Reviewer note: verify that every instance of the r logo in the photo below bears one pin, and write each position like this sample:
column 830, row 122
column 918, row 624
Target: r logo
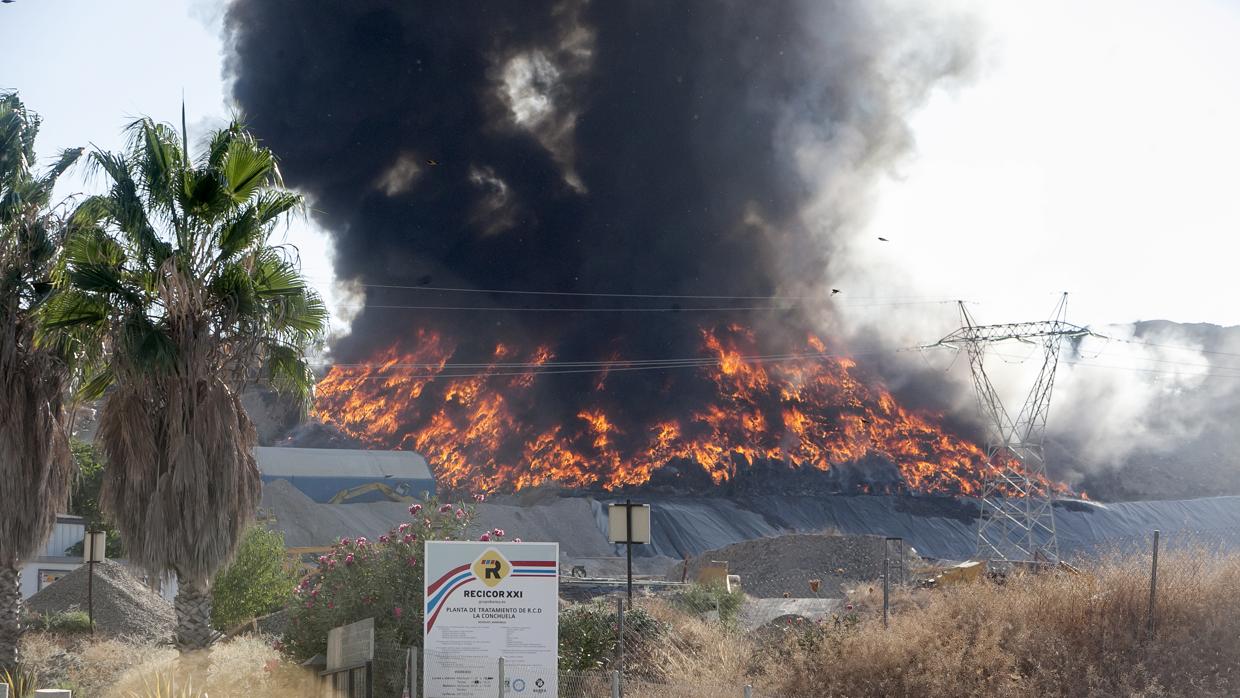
column 491, row 568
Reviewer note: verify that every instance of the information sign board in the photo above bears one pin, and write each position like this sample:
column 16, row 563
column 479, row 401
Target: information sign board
column 484, row 601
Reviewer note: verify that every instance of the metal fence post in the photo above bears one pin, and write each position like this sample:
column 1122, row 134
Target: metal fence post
column 615, row 684
column 501, row 677
column 1149, row 628
column 748, row 691
column 411, row 673
column 886, row 581
column 620, row 641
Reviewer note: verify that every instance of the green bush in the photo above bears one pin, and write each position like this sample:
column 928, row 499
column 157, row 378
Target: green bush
column 700, row 598
column 588, row 637
column 65, row 622
column 258, row 581
column 361, row 579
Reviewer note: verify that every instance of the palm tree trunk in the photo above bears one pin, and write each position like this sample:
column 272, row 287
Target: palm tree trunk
column 193, row 609
column 10, row 613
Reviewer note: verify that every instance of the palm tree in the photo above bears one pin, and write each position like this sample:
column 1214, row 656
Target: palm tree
column 36, row 465
column 174, row 272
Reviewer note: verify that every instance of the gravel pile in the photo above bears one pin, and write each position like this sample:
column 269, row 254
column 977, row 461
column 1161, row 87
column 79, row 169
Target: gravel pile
column 123, row 604
column 771, row 567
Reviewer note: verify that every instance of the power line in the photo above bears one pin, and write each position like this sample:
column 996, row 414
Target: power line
column 553, row 309
column 515, row 309
column 1172, row 346
column 590, row 294
column 587, row 367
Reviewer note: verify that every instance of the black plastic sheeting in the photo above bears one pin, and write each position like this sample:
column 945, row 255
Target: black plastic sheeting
column 936, row 527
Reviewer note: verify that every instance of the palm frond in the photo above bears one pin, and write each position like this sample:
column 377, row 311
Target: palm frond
column 276, row 276
column 94, row 384
column 72, row 307
column 246, row 167
column 289, row 372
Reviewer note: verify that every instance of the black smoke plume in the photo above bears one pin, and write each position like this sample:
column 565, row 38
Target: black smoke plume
column 682, row 148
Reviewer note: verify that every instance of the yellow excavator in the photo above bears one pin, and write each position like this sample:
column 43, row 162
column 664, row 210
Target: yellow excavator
column 400, row 493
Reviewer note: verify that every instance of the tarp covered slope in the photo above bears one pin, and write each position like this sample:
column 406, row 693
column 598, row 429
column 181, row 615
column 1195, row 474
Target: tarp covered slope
column 936, row 527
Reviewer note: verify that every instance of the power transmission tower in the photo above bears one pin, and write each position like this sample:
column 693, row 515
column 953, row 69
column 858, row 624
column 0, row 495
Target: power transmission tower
column 1017, row 521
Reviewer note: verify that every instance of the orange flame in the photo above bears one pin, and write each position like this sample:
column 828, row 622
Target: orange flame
column 481, row 430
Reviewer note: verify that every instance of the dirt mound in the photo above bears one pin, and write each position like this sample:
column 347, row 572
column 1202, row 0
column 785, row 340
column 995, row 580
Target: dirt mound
column 772, row 567
column 123, row 604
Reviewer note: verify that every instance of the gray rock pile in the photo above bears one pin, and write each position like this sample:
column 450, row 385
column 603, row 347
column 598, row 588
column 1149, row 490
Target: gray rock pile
column 124, row 606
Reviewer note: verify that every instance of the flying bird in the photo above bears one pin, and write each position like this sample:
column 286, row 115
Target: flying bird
column 432, row 163
column 834, row 291
column 881, row 239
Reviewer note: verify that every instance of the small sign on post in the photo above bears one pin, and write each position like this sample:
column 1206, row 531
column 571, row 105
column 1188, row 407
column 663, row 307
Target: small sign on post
column 629, row 524
column 351, row 645
column 94, row 551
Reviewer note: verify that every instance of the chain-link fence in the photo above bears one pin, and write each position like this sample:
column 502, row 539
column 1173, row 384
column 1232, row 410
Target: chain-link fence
column 610, row 684
column 1130, row 587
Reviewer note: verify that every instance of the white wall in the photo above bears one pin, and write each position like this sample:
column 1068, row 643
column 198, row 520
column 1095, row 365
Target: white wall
column 31, row 570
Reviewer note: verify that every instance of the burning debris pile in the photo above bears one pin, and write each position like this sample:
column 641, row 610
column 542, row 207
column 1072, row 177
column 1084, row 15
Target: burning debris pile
column 514, row 190
column 818, row 415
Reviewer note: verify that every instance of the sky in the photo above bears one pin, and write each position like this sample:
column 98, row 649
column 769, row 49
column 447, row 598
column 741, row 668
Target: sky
column 1094, row 151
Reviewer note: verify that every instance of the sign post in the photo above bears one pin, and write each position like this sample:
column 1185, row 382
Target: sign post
column 490, row 605
column 629, row 523
column 94, row 551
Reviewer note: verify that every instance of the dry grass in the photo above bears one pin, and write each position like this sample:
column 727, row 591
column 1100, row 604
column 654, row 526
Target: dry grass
column 116, row 668
column 1050, row 634
column 1053, row 634
column 700, row 652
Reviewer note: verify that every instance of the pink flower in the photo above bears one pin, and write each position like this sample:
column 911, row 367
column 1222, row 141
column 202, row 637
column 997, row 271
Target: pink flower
column 409, row 538
column 498, row 532
column 403, row 527
column 484, row 537
column 460, row 514
column 397, row 611
column 322, row 559
column 445, row 508
column 414, row 509
column 848, row 607
column 331, row 564
column 384, row 539
column 413, row 562
column 314, row 593
column 344, row 541
column 348, row 559
column 480, row 497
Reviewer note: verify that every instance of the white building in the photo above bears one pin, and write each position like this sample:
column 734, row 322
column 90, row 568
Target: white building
column 52, row 563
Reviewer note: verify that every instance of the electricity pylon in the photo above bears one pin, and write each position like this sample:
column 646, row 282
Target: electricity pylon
column 1017, row 521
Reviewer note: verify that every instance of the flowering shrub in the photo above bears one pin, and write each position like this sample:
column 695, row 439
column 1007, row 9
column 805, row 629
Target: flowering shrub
column 382, row 578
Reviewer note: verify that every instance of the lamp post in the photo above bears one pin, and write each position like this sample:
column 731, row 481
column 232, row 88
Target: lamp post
column 94, row 550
